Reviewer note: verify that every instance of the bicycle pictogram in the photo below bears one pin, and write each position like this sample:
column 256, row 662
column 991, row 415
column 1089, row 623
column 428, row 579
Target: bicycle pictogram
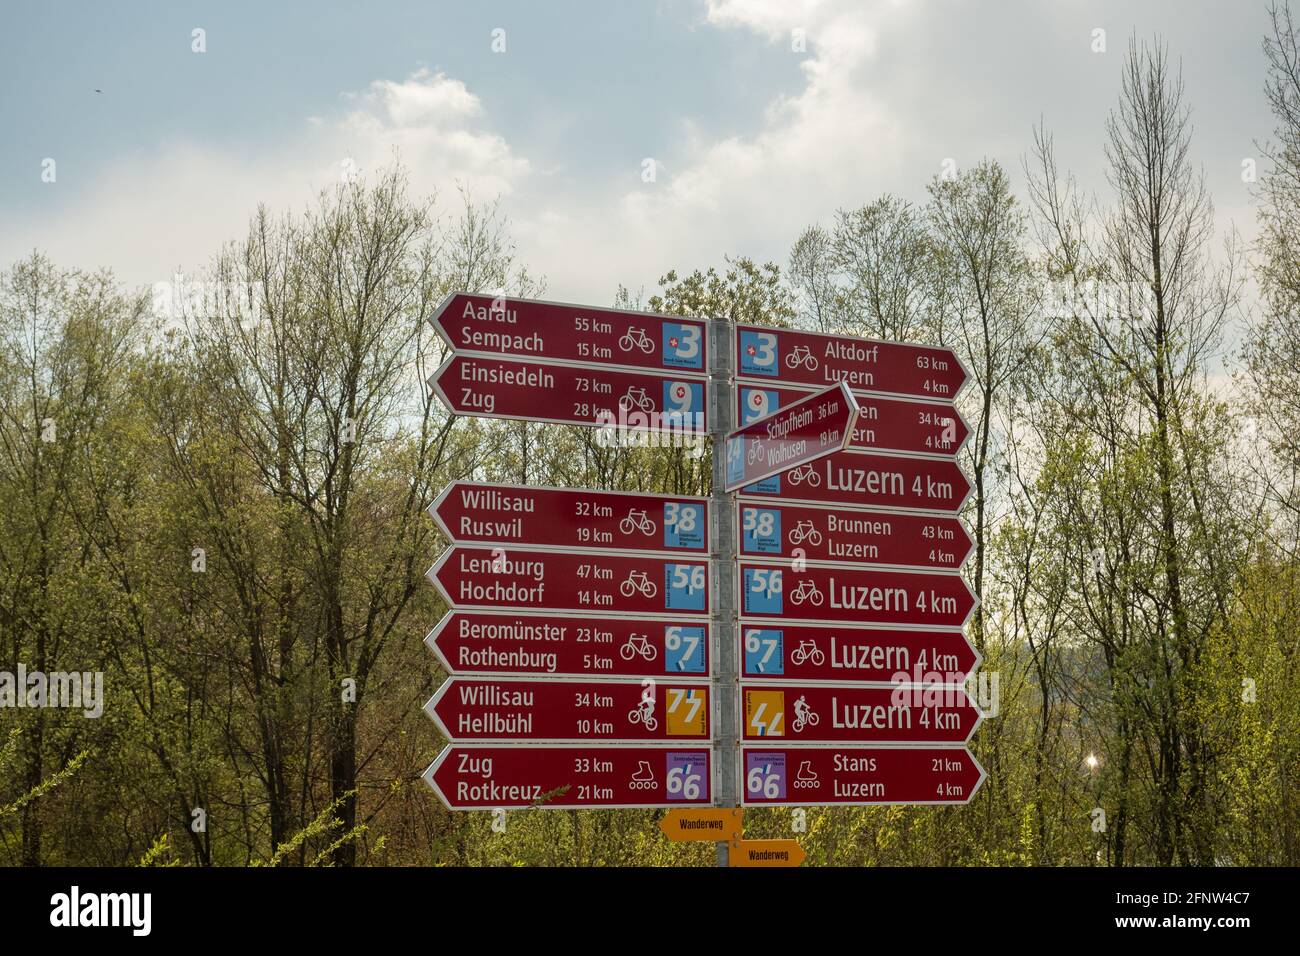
column 638, row 581
column 636, row 338
column 638, row 644
column 805, row 474
column 804, row 531
column 807, row 651
column 637, row 520
column 806, row 591
column 636, row 397
column 801, row 355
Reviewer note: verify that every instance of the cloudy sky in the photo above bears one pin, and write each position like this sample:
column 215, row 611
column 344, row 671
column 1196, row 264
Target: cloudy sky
column 753, row 138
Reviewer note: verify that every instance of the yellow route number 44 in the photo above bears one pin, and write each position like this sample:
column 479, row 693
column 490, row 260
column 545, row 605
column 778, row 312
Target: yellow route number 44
column 765, row 713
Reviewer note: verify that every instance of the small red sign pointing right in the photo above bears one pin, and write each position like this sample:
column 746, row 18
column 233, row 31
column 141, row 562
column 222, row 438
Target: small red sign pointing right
column 812, row 358
column 860, row 480
column 796, row 435
column 857, row 776
column 826, row 713
column 822, row 533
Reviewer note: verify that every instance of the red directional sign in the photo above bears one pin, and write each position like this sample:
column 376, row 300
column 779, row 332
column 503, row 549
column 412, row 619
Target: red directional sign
column 488, row 386
column 572, row 333
column 773, row 650
column 817, row 713
column 557, row 778
column 561, row 580
column 855, row 595
column 795, row 435
column 469, row 512
column 504, row 642
column 483, row 708
column 857, row 776
column 776, row 530
column 884, row 424
column 811, row 358
column 854, row 479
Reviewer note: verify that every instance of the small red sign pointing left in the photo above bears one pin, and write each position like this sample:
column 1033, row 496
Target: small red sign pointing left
column 472, row 513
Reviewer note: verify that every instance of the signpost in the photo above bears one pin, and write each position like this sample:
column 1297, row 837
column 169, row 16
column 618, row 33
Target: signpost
column 504, row 642
column 620, row 649
column 824, row 713
column 484, row 708
column 884, row 424
column 854, row 595
column 515, row 778
column 837, row 652
column 858, row 480
column 557, row 331
column 794, row 436
column 603, row 581
column 486, row 386
column 471, row 513
column 770, row 529
column 858, row 776
column 811, row 358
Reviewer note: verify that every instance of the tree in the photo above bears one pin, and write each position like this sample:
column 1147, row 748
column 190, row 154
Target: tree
column 1134, row 359
column 67, row 342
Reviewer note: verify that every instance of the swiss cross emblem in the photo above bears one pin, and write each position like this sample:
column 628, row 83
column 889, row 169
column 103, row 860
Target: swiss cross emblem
column 751, row 351
column 672, row 341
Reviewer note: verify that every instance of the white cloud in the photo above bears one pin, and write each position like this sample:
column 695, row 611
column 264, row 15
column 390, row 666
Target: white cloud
column 832, row 143
column 151, row 212
column 881, row 97
column 424, row 99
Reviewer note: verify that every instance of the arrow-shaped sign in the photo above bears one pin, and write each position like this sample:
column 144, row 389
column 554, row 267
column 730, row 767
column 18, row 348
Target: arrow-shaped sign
column 487, row 778
column 558, row 331
column 490, row 386
column 824, row 713
column 812, row 358
column 703, row 824
column 884, row 424
column 600, row 582
column 858, row 480
column 470, row 512
column 858, row 776
column 765, row 853
column 854, row 595
column 487, row 708
column 794, row 436
column 774, row 650
column 838, row 535
column 523, row 642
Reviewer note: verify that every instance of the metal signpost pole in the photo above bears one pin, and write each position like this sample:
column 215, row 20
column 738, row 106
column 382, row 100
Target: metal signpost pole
column 722, row 572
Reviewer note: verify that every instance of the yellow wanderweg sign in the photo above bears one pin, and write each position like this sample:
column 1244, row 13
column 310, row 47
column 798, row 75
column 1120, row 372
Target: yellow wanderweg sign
column 702, row 823
column 765, row 853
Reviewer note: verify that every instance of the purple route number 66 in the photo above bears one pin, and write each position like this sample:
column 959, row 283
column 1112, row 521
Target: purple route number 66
column 764, row 775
